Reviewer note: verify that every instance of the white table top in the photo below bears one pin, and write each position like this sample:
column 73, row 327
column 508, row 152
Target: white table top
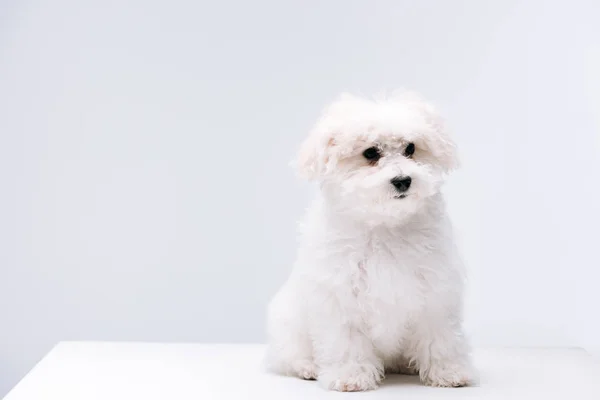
column 147, row 371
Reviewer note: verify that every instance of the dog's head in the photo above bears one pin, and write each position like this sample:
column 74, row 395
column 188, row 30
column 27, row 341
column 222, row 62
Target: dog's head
column 378, row 160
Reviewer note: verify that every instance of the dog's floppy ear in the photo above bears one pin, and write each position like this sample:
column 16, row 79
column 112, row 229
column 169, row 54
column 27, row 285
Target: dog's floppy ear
column 326, row 143
column 447, row 153
column 439, row 141
column 321, row 150
column 316, row 155
column 442, row 146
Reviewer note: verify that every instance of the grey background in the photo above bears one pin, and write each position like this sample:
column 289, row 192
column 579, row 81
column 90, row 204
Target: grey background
column 145, row 192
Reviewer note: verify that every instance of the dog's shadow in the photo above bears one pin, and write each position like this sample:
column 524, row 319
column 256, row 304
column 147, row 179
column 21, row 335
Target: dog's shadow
column 401, row 380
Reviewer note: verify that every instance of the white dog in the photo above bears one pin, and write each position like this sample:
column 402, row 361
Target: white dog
column 378, row 283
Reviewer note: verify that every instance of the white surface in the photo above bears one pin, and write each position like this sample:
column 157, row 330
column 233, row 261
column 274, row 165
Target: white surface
column 144, row 187
column 126, row 371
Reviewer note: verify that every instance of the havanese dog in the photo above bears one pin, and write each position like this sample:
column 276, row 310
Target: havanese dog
column 377, row 286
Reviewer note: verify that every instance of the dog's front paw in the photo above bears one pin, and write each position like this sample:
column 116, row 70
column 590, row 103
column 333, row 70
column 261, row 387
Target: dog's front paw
column 450, row 375
column 305, row 369
column 351, row 377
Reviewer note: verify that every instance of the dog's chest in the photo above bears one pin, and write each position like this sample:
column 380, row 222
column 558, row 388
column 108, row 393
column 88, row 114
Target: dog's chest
column 387, row 284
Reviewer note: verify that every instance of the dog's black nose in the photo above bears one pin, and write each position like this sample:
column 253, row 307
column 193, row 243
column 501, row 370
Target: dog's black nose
column 402, row 183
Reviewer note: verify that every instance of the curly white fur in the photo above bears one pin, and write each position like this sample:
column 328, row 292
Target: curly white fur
column 377, row 286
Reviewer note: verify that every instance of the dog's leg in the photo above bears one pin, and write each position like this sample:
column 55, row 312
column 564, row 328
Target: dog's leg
column 289, row 351
column 345, row 356
column 347, row 361
column 441, row 350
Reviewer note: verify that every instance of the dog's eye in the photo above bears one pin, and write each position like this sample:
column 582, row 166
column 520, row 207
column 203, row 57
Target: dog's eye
column 372, row 154
column 410, row 150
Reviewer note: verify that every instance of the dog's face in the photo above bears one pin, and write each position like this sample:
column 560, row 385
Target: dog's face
column 378, row 160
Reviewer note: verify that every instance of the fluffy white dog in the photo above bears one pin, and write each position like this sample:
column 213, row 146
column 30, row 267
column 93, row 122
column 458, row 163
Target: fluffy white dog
column 378, row 283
